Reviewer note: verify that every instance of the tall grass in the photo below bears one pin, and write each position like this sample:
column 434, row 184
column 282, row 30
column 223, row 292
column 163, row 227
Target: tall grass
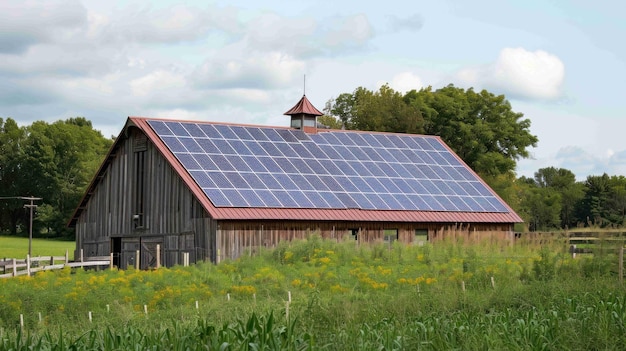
column 343, row 296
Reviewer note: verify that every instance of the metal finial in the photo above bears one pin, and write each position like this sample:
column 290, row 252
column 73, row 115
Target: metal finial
column 304, row 88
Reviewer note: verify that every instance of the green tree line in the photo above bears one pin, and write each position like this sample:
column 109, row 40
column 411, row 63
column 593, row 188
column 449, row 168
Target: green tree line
column 52, row 161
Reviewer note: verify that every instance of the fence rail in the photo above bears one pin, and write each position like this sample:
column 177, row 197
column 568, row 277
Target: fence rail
column 16, row 267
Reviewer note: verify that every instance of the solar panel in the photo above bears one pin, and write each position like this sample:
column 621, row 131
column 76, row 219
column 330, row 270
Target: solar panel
column 208, row 146
column 239, row 147
column 210, row 131
column 225, row 131
column 194, row 130
column 242, row 133
column 241, row 166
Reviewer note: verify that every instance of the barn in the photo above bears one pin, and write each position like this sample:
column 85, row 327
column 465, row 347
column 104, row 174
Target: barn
column 211, row 191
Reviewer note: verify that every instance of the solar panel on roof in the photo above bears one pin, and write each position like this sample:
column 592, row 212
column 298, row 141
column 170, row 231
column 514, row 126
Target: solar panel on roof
column 242, row 133
column 191, row 145
column 252, row 198
column 224, row 147
column 225, row 131
column 287, row 135
column 210, row 131
column 316, row 182
column 286, row 150
column 178, row 130
column 284, row 198
column 235, row 198
column 217, row 197
column 207, row 146
column 194, row 130
column 240, row 166
column 317, row 200
column 268, row 198
column 239, row 147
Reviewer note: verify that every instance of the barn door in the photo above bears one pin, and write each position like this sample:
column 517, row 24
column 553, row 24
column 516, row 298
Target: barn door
column 149, row 251
column 128, row 254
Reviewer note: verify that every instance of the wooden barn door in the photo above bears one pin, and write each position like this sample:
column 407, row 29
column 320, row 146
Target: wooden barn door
column 149, row 251
column 129, row 251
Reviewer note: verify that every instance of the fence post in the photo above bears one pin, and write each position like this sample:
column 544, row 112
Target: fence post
column 137, row 260
column 111, row 261
column 158, row 256
column 621, row 264
column 28, row 265
column 67, row 256
column 14, row 267
column 185, row 259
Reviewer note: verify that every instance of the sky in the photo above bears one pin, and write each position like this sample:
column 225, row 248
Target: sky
column 560, row 63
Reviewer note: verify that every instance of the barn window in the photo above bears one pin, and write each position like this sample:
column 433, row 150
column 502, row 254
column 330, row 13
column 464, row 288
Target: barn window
column 354, row 232
column 421, row 236
column 391, row 235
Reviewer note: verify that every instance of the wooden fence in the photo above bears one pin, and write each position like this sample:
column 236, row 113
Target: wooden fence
column 12, row 267
column 15, row 267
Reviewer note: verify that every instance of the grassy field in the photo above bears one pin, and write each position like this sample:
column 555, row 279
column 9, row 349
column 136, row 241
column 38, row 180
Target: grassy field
column 17, row 247
column 322, row 295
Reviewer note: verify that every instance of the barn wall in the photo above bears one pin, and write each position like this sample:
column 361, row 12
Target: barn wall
column 131, row 210
column 236, row 238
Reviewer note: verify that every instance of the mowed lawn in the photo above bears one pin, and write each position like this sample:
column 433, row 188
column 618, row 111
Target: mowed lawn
column 17, row 247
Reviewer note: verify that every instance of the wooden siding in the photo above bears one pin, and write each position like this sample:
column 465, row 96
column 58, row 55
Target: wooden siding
column 236, row 238
column 170, row 216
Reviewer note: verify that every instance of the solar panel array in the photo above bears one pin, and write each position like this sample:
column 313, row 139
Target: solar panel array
column 244, row 166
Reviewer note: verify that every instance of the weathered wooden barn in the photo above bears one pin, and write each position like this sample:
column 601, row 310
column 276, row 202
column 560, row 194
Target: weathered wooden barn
column 216, row 190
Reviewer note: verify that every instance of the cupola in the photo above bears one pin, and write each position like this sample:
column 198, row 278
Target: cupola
column 304, row 115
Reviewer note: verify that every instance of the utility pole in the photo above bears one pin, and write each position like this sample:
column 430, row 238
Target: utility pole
column 32, row 207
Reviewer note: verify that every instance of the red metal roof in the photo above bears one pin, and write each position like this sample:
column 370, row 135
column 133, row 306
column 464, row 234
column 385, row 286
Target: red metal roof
column 230, row 213
column 304, row 106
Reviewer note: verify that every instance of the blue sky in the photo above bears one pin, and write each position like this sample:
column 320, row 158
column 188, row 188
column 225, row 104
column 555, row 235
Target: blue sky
column 560, row 63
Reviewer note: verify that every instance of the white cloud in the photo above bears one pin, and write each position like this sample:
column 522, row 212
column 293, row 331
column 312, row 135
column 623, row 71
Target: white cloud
column 305, row 37
column 519, row 73
column 27, row 23
column 404, row 82
column 157, row 82
column 350, row 31
column 263, row 71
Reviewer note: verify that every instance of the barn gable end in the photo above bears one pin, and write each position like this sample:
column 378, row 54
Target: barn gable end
column 138, row 201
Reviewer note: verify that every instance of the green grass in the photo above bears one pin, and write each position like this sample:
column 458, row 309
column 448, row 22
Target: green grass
column 443, row 296
column 17, row 247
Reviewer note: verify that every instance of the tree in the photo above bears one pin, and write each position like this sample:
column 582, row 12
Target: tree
column 384, row 111
column 592, row 208
column 330, row 121
column 342, row 107
column 51, row 161
column 74, row 151
column 542, row 207
column 12, row 182
column 564, row 182
column 480, row 127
